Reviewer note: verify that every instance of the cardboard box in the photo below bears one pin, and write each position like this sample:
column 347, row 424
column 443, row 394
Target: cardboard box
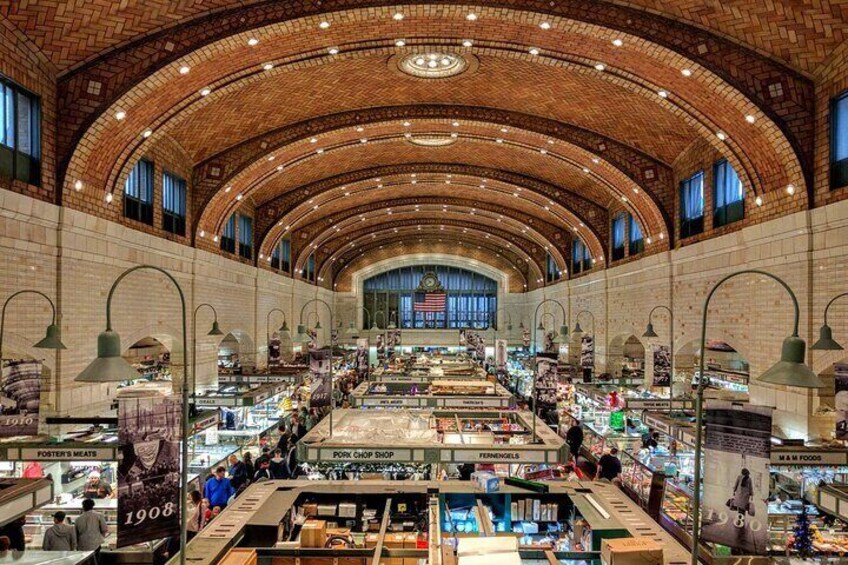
column 310, row 509
column 347, row 510
column 313, row 533
column 631, row 551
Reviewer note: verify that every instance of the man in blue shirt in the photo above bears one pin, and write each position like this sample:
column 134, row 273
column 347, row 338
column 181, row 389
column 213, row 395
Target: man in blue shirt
column 218, row 489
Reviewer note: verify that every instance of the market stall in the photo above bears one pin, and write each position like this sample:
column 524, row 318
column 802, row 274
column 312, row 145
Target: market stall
column 436, row 393
column 440, row 439
column 405, row 523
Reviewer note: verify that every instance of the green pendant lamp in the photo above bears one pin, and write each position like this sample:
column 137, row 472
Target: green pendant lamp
column 649, row 331
column 109, row 366
column 52, row 340
column 541, row 327
column 791, row 370
column 826, row 341
column 577, row 329
column 284, row 329
column 215, row 329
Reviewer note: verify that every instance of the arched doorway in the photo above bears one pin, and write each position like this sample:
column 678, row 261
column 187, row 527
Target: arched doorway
column 152, row 359
column 724, row 366
column 626, row 359
column 236, row 353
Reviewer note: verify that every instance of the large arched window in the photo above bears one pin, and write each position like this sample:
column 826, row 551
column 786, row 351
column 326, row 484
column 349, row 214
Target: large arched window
column 470, row 299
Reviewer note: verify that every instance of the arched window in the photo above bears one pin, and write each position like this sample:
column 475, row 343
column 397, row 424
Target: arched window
column 470, row 299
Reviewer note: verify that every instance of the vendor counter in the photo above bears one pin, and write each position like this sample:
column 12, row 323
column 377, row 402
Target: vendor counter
column 443, row 393
column 410, row 523
column 431, row 437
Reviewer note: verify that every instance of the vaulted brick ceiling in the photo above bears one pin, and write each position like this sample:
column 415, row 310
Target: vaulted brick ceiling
column 566, row 112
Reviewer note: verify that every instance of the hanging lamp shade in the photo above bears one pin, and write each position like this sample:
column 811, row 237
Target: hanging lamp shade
column 791, row 370
column 649, row 331
column 509, row 327
column 284, row 328
column 215, row 329
column 563, row 330
column 826, row 341
column 391, row 326
column 52, row 340
column 318, row 325
column 521, row 325
column 303, row 335
column 351, row 331
column 577, row 328
column 541, row 327
column 109, row 366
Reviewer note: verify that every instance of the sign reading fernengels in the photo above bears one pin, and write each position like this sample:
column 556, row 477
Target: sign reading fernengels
column 377, row 454
column 64, row 454
column 499, row 456
column 804, row 457
column 475, row 402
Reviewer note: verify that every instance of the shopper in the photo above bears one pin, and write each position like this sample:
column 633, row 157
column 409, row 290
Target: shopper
column 249, row 467
column 653, row 440
column 238, row 472
column 574, row 439
column 60, row 536
column 298, row 429
column 264, row 458
column 196, row 514
column 291, row 460
column 609, row 466
column 284, row 437
column 91, row 529
column 277, row 466
column 218, row 488
column 14, row 530
column 264, row 472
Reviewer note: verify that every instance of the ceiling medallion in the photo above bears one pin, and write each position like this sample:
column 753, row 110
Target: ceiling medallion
column 432, row 140
column 433, row 64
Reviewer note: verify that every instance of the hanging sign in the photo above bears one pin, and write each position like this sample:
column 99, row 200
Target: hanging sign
column 61, row 454
column 363, row 365
column 474, row 402
column 20, row 398
column 378, row 454
column 322, row 384
column 841, row 386
column 737, row 448
column 148, row 469
column 499, row 456
column 804, row 457
column 500, row 354
column 662, row 365
column 381, row 348
column 274, row 349
column 587, row 354
column 545, row 384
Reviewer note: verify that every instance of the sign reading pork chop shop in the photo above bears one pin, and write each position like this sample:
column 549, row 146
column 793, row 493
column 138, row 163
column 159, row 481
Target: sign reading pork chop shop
column 62, row 454
column 500, row 456
column 343, row 454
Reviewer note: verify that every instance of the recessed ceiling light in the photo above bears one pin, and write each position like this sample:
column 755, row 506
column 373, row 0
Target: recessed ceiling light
column 499, row 140
column 467, row 43
column 545, row 25
column 239, row 196
column 504, row 130
column 229, row 188
column 758, row 201
column 268, row 66
column 215, row 238
column 120, row 115
column 109, row 197
column 585, row 170
column 617, row 42
column 252, row 41
column 600, row 67
column 279, row 167
column 534, row 51
column 319, row 151
column 750, row 119
column 363, row 140
column 790, row 189
column 406, row 124
column 721, row 136
column 78, row 185
column 454, row 135
column 407, row 135
column 397, row 17
column 271, row 157
column 543, row 151
column 596, row 160
column 324, row 25
column 184, row 70
column 662, row 94
column 147, row 133
column 686, row 72
column 202, row 233
column 360, row 129
column 471, row 17
column 313, row 140
column 333, row 50
column 400, row 43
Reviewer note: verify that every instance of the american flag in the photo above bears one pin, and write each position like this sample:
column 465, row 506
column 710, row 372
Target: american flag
column 429, row 302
